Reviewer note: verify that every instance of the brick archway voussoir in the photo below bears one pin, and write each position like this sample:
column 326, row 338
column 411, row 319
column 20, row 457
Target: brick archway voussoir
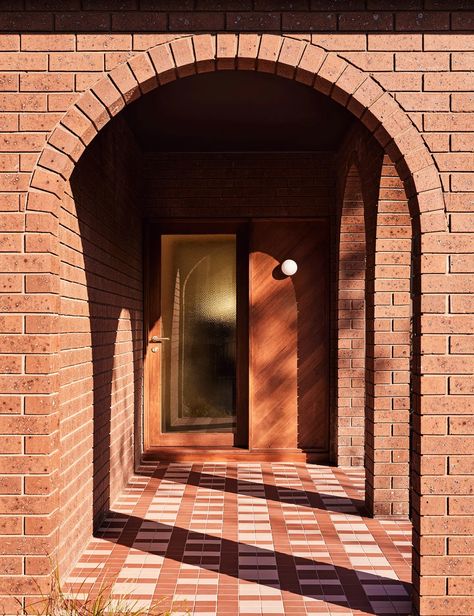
column 285, row 56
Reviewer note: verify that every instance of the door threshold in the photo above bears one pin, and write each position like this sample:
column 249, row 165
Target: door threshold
column 233, row 454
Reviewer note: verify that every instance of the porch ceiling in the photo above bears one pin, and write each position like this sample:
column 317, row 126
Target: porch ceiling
column 237, row 111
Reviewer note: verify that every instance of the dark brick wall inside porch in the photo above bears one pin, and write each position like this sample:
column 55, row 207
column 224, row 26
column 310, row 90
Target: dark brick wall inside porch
column 238, row 184
column 101, row 332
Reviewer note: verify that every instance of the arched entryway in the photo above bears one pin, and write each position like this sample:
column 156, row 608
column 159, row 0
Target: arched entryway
column 289, row 58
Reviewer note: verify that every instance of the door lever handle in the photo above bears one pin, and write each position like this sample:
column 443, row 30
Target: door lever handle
column 157, row 339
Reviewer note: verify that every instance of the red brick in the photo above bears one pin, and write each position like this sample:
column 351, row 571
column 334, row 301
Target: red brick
column 23, row 62
column 199, row 21
column 461, row 505
column 145, row 20
column 449, row 82
column 370, row 62
column 460, row 585
column 417, row 20
column 144, row 72
column 461, row 465
column 76, row 61
column 164, row 64
column 82, row 21
column 366, row 21
column 462, row 21
column 462, row 142
column 104, row 42
column 462, row 102
column 340, row 42
column 114, row 58
column 463, row 61
column 448, row 122
column 308, row 21
column 37, row 565
column 23, row 102
column 394, row 42
column 146, row 41
column 290, row 54
column 61, row 101
column 50, row 42
column 10, row 42
column 45, row 82
column 462, row 222
column 448, row 605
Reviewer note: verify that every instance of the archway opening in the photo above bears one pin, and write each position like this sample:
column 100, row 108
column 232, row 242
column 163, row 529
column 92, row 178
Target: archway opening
column 237, row 148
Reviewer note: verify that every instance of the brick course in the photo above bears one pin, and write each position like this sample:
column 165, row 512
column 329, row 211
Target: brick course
column 423, row 136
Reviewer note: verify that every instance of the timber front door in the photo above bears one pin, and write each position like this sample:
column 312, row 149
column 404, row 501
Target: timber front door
column 237, row 351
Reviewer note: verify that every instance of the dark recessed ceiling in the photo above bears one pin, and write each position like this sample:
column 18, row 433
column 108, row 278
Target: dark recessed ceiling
column 237, row 110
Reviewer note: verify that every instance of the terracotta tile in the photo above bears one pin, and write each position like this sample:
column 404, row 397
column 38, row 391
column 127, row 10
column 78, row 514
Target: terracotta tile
column 250, row 539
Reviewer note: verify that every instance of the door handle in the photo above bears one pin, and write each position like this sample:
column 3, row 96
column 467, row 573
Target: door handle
column 157, row 339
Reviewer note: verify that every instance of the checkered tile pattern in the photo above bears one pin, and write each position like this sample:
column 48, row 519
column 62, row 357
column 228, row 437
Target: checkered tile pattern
column 248, row 538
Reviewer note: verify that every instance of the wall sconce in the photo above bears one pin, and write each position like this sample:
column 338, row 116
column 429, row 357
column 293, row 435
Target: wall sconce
column 289, row 267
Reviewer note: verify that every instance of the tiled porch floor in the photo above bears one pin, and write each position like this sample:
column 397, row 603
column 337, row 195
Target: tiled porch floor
column 249, row 539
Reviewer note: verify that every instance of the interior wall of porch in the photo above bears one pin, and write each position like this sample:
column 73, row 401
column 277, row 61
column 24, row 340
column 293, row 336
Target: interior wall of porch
column 238, row 184
column 349, row 321
column 384, row 424
column 113, row 189
column 101, row 324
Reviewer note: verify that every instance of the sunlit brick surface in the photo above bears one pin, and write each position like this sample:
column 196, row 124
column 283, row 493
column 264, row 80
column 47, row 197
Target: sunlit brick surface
column 249, row 539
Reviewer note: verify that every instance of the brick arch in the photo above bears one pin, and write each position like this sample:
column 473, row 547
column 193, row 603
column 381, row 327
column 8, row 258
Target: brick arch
column 287, row 57
column 374, row 288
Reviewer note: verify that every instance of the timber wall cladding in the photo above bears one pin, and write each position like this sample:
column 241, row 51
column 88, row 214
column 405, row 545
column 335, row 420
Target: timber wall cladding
column 424, row 58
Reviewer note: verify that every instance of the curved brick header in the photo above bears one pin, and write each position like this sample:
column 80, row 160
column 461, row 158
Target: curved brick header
column 287, row 57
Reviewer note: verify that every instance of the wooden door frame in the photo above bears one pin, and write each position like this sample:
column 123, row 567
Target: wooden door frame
column 155, row 228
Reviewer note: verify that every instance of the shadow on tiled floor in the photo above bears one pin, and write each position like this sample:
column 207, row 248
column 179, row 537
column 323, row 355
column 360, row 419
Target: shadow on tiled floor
column 249, row 539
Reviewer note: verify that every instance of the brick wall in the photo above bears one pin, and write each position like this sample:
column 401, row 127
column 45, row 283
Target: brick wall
column 101, row 327
column 349, row 333
column 422, row 55
column 374, row 327
column 239, row 184
column 388, row 354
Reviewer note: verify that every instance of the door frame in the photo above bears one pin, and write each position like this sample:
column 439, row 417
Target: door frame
column 153, row 438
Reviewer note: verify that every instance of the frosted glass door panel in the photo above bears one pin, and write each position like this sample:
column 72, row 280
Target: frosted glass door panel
column 198, row 316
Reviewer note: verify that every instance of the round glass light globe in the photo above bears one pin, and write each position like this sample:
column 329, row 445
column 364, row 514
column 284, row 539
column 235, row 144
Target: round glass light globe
column 289, row 267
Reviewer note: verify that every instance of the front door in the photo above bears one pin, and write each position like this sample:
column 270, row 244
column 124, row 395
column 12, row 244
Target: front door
column 195, row 342
column 237, row 352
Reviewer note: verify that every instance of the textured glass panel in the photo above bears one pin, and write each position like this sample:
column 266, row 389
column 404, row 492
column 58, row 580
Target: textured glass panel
column 198, row 304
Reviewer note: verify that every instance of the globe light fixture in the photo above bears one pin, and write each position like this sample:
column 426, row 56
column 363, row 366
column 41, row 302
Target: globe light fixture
column 289, row 267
